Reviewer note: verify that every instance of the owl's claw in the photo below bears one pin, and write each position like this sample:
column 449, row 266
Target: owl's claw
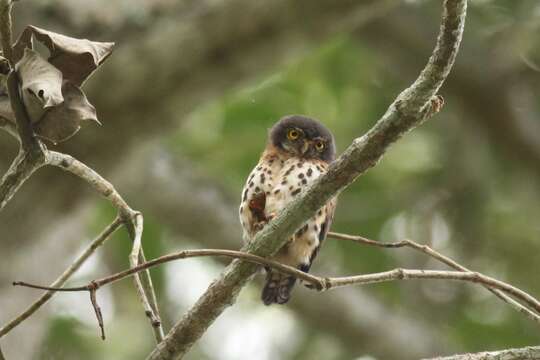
column 258, row 226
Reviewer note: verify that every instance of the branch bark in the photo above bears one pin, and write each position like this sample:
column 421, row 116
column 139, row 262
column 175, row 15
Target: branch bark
column 526, row 353
column 410, row 109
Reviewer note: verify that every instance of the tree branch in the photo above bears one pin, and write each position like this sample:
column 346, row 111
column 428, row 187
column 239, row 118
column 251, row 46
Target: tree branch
column 133, row 222
column 526, row 353
column 313, row 282
column 61, row 280
column 409, row 110
column 445, row 260
column 5, row 29
column 21, row 169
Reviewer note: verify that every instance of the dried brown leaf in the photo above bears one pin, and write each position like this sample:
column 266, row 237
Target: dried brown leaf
column 75, row 58
column 5, row 108
column 63, row 121
column 41, row 84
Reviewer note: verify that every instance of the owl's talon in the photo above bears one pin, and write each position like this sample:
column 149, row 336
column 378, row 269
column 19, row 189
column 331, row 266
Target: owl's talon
column 259, row 226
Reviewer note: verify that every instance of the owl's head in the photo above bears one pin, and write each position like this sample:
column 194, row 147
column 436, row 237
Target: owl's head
column 303, row 137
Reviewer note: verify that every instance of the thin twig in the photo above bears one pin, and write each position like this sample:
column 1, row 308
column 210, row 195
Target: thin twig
column 102, row 186
column 133, row 222
column 2, row 355
column 316, row 282
column 134, row 257
column 440, row 257
column 61, row 280
column 97, row 310
column 186, row 254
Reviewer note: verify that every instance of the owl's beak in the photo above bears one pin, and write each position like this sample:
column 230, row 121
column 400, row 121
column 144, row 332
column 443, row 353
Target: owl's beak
column 305, row 146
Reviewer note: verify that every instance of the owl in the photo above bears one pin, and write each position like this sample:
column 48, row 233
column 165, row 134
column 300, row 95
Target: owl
column 298, row 151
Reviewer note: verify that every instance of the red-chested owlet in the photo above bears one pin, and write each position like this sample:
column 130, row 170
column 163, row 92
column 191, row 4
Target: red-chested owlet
column 298, row 151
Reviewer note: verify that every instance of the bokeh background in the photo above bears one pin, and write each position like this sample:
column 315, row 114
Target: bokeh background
column 186, row 101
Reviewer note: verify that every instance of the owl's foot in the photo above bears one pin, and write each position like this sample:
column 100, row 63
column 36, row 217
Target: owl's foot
column 259, row 225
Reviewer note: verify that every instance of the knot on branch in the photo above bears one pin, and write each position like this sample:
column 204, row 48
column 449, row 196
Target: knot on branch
column 93, row 286
column 400, row 273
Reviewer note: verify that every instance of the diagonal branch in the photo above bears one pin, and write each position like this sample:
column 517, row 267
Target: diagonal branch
column 61, row 280
column 409, row 110
column 445, row 260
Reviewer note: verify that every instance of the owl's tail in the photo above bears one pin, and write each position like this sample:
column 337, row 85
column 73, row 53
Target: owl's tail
column 278, row 288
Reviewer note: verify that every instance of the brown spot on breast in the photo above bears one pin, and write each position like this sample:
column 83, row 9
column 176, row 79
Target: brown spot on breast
column 304, row 181
column 251, row 184
column 277, row 191
column 301, row 175
column 309, row 172
column 296, row 192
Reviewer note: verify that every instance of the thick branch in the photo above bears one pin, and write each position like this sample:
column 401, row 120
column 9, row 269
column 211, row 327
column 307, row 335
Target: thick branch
column 409, row 110
column 526, row 353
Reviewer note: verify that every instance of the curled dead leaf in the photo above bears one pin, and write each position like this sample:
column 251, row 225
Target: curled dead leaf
column 5, row 108
column 41, row 84
column 63, row 121
column 75, row 58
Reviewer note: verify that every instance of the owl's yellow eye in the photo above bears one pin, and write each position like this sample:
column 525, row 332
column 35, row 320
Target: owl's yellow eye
column 319, row 145
column 293, row 134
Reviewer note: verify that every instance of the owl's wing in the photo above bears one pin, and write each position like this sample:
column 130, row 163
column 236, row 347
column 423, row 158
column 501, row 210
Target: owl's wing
column 258, row 186
column 329, row 208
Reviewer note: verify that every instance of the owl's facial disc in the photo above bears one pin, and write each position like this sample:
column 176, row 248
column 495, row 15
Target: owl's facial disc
column 303, row 137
